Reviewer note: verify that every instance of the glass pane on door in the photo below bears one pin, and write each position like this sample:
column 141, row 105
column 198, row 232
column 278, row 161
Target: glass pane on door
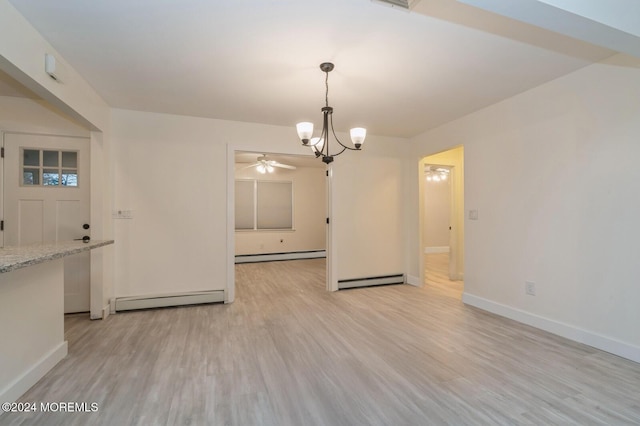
column 31, row 157
column 50, row 177
column 31, row 177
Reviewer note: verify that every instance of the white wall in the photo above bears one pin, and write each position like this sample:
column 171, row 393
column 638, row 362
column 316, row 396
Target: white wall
column 309, row 213
column 368, row 211
column 553, row 174
column 35, row 116
column 171, row 171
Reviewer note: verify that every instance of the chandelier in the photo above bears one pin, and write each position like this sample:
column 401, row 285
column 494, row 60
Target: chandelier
column 320, row 145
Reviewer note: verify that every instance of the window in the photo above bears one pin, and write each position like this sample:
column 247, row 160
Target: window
column 263, row 205
column 245, row 204
column 43, row 167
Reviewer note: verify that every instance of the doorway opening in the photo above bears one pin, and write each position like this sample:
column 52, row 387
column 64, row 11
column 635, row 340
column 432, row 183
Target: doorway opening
column 279, row 209
column 442, row 221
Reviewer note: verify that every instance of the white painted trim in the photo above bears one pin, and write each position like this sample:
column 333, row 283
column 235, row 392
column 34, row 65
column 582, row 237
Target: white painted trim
column 413, row 280
column 164, row 300
column 230, row 290
column 106, row 311
column 15, row 390
column 607, row 344
column 271, row 257
column 332, row 236
column 371, row 281
column 442, row 249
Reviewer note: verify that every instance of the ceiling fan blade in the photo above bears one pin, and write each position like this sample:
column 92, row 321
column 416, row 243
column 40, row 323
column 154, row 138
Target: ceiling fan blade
column 250, row 165
column 283, row 166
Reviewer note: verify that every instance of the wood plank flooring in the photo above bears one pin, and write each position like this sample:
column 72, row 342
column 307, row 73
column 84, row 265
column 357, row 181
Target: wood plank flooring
column 289, row 353
column 437, row 275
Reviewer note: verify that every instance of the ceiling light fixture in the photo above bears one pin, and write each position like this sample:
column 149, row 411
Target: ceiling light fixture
column 438, row 174
column 320, row 145
column 266, row 165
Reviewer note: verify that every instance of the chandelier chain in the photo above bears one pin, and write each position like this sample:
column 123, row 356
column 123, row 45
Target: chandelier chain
column 326, row 85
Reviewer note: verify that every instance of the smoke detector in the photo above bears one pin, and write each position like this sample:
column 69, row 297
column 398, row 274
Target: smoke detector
column 400, row 4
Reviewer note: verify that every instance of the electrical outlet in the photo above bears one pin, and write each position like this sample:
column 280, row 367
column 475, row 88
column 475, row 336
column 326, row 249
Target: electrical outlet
column 530, row 288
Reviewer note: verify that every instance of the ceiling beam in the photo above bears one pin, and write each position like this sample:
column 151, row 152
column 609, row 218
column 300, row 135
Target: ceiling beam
column 614, row 24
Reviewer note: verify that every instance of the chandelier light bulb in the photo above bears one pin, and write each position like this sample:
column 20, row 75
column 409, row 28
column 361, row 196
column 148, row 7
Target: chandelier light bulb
column 270, row 169
column 357, row 136
column 261, row 169
column 305, row 130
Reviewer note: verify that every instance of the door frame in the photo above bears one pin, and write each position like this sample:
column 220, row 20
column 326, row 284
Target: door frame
column 453, row 229
column 457, row 215
column 230, row 289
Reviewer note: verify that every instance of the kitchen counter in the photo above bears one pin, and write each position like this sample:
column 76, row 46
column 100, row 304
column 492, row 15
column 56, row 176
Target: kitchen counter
column 32, row 312
column 12, row 258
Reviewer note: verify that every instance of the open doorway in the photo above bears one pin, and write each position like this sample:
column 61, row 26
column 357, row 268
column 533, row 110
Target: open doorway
column 279, row 208
column 442, row 220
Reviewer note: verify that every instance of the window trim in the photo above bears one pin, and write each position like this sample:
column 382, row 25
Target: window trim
column 42, row 168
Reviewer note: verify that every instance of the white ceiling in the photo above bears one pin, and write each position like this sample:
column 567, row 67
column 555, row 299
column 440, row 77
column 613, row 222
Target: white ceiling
column 397, row 73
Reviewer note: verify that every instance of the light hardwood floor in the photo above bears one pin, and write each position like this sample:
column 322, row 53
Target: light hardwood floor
column 289, row 353
column 436, row 275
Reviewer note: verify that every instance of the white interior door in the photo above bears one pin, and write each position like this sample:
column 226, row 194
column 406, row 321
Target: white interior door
column 47, row 198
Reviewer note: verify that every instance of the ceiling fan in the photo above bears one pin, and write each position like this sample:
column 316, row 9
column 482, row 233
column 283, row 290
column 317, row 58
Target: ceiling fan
column 265, row 165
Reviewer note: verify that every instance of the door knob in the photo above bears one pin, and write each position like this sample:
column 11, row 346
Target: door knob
column 85, row 226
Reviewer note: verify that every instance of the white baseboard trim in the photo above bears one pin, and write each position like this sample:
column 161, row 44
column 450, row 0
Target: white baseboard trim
column 273, row 257
column 371, row 281
column 15, row 390
column 568, row 331
column 413, row 280
column 106, row 311
column 166, row 300
column 443, row 249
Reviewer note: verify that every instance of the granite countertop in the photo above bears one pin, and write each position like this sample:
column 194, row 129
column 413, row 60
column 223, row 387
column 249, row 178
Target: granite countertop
column 16, row 257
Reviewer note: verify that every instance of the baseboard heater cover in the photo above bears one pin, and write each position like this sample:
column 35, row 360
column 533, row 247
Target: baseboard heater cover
column 371, row 281
column 165, row 300
column 272, row 257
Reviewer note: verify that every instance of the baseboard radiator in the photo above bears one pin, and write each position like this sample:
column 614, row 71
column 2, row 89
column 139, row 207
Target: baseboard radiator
column 371, row 281
column 273, row 257
column 165, row 300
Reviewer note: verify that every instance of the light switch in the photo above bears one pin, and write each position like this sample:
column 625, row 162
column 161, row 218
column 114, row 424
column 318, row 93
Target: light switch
column 473, row 214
